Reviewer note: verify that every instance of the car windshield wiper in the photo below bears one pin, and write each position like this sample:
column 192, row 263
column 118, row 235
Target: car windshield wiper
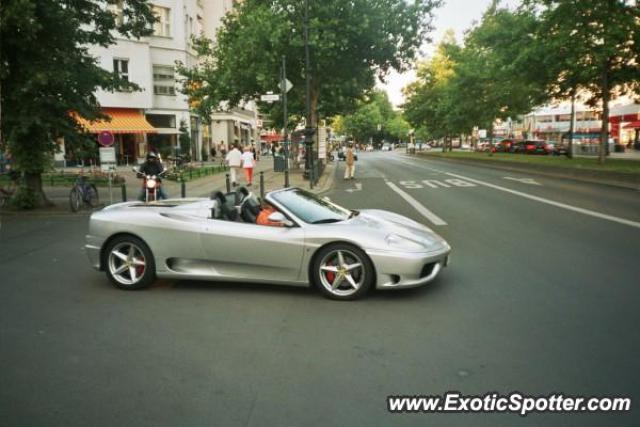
column 326, row 221
column 354, row 213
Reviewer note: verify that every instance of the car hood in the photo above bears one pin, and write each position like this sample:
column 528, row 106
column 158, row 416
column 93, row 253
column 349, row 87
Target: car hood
column 390, row 223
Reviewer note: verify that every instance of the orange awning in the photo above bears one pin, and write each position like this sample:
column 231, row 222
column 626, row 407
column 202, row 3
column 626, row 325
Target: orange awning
column 123, row 120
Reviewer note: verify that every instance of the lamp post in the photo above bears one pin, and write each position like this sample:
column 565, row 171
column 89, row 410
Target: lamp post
column 309, row 130
column 285, row 122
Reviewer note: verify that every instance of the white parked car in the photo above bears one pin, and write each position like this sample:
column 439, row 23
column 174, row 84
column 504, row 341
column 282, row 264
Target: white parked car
column 386, row 147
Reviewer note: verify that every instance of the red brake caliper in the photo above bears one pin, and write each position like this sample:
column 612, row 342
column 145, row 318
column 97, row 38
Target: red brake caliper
column 139, row 270
column 330, row 274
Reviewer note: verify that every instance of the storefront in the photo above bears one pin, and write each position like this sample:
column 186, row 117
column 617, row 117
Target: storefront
column 130, row 129
column 624, row 123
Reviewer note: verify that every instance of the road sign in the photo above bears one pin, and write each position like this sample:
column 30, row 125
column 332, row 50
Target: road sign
column 107, row 155
column 287, row 85
column 270, row 97
column 105, row 138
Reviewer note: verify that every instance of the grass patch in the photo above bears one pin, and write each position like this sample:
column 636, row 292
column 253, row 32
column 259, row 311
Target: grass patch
column 577, row 163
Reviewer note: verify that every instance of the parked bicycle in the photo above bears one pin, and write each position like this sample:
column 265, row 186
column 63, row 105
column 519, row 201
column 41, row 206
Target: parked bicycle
column 6, row 192
column 82, row 194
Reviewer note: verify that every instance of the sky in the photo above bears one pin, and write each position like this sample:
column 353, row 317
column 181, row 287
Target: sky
column 458, row 15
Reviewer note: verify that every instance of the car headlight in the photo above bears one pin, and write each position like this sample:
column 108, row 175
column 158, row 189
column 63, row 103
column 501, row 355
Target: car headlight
column 403, row 243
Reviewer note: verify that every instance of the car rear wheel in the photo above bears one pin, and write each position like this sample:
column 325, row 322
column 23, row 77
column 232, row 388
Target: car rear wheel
column 342, row 272
column 129, row 263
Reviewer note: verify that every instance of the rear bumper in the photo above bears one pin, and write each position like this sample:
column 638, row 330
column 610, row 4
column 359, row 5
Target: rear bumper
column 408, row 270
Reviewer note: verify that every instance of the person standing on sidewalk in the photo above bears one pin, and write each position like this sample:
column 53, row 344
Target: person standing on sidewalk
column 350, row 163
column 248, row 162
column 234, row 161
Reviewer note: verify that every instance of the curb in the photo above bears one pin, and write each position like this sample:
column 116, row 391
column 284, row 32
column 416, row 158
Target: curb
column 632, row 184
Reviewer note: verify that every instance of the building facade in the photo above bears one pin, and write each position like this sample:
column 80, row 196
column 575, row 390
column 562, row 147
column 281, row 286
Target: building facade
column 231, row 125
column 150, row 63
column 552, row 123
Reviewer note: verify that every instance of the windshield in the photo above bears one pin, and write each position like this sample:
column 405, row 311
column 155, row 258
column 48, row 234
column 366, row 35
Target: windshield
column 310, row 208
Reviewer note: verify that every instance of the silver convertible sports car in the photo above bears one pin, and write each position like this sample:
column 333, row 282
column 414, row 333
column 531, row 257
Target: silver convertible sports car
column 291, row 237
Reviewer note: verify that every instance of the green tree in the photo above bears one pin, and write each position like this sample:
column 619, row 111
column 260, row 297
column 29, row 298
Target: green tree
column 363, row 123
column 47, row 72
column 398, row 128
column 594, row 46
column 350, row 43
column 371, row 117
column 431, row 102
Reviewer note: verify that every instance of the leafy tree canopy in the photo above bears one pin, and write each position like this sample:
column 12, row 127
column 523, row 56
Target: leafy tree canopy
column 350, row 43
column 47, row 72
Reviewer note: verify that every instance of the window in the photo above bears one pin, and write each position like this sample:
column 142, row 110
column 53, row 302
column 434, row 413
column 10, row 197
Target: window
column 164, row 80
column 162, row 120
column 545, row 119
column 121, row 68
column 563, row 118
column 163, row 26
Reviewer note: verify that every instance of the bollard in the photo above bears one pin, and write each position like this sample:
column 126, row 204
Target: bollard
column 228, row 184
column 286, row 178
column 123, row 187
column 262, row 185
column 183, row 189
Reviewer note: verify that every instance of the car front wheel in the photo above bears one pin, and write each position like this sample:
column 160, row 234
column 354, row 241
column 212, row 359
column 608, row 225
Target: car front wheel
column 343, row 272
column 129, row 263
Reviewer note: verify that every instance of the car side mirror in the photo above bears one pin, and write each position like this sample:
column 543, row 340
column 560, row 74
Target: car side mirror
column 279, row 218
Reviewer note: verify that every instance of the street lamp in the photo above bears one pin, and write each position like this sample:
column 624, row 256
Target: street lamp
column 309, row 130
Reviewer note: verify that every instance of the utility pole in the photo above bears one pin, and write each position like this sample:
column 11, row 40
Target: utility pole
column 309, row 131
column 285, row 121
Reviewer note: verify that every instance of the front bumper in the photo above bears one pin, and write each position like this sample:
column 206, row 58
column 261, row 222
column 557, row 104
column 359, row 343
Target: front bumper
column 92, row 248
column 395, row 270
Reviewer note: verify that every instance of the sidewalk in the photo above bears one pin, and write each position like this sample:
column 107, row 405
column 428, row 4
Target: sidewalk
column 201, row 187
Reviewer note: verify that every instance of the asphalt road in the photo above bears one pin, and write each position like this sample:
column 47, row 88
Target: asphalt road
column 541, row 296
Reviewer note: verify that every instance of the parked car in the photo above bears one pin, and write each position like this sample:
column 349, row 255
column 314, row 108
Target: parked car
column 561, row 149
column 386, row 147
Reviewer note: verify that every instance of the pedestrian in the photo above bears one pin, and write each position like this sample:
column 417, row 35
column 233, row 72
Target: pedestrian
column 273, row 149
column 350, row 163
column 213, row 152
column 234, row 161
column 223, row 149
column 248, row 162
column 255, row 152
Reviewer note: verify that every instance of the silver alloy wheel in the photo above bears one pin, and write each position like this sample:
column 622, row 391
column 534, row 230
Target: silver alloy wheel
column 342, row 272
column 127, row 264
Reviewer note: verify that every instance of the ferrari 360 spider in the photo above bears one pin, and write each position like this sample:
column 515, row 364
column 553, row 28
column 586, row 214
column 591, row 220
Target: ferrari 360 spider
column 302, row 239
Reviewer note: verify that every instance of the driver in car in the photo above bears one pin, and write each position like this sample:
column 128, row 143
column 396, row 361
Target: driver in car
column 263, row 216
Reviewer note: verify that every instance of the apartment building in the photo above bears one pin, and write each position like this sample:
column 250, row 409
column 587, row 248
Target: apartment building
column 154, row 116
column 553, row 122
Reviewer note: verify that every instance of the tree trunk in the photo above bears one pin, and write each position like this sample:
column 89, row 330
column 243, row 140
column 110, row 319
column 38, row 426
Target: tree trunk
column 606, row 95
column 33, row 181
column 444, row 144
column 572, row 124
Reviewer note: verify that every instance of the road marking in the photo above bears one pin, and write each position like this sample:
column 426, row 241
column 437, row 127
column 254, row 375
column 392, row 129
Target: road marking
column 552, row 203
column 436, row 220
column 358, row 188
column 432, row 183
column 530, row 181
